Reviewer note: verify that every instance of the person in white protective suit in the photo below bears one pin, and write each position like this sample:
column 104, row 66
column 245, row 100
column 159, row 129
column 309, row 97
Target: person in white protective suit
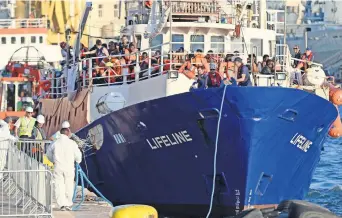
column 57, row 135
column 5, row 141
column 63, row 153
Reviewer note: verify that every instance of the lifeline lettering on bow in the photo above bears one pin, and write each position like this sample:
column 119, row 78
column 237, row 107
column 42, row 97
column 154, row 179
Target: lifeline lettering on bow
column 301, row 142
column 169, row 140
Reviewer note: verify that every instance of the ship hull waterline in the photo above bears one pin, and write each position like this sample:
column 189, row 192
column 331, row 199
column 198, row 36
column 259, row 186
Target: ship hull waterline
column 161, row 152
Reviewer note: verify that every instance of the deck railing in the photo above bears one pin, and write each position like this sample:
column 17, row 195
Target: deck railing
column 23, row 23
column 197, row 7
column 104, row 71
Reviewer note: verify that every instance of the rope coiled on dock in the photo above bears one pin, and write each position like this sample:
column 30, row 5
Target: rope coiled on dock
column 82, row 176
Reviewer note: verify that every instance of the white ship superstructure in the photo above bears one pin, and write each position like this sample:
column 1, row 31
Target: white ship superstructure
column 21, row 25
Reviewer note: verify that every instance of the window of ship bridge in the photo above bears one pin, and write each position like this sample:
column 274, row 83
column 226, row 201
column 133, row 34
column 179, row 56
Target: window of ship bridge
column 10, row 97
column 13, row 40
column 196, row 42
column 3, row 40
column 217, row 44
column 177, row 41
column 24, row 96
column 138, row 37
column 158, row 40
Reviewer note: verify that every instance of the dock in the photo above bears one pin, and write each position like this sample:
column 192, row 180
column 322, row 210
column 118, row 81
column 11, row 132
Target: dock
column 88, row 209
column 27, row 188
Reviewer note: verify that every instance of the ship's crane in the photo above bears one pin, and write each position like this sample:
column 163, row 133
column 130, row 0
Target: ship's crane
column 70, row 71
column 78, row 37
column 62, row 14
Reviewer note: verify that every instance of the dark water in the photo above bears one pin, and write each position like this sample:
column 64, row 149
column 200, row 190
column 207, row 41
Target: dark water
column 326, row 187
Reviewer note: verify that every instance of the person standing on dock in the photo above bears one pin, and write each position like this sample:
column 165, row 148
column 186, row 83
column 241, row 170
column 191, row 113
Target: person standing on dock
column 63, row 153
column 25, row 124
column 57, row 135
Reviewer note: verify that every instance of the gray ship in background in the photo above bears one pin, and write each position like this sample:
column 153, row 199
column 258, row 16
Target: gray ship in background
column 322, row 20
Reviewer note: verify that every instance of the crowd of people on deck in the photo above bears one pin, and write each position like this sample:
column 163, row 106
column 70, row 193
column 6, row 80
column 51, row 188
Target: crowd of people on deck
column 61, row 154
column 114, row 60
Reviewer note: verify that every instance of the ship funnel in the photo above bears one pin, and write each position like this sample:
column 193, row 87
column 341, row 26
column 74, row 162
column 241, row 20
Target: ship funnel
column 110, row 102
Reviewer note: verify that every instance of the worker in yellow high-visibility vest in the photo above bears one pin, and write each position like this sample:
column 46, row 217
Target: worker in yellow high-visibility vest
column 25, row 124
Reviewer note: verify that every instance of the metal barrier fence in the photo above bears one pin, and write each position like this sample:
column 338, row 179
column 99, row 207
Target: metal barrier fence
column 26, row 184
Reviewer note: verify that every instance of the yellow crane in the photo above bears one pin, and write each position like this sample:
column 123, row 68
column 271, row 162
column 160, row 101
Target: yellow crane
column 62, row 14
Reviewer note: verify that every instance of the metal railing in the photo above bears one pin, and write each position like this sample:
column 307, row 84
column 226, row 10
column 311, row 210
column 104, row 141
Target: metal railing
column 185, row 7
column 108, row 71
column 23, row 23
column 26, row 183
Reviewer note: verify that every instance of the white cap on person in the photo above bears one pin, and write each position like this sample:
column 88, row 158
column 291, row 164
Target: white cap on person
column 65, row 124
column 29, row 110
column 40, row 119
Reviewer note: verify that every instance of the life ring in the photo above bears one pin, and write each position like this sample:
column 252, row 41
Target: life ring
column 148, row 4
column 45, row 85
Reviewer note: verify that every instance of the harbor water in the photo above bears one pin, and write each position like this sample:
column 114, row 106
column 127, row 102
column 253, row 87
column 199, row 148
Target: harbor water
column 326, row 186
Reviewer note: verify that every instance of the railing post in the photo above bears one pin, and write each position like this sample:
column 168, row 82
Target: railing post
column 90, row 71
column 83, row 73
column 161, row 59
column 149, row 63
column 137, row 66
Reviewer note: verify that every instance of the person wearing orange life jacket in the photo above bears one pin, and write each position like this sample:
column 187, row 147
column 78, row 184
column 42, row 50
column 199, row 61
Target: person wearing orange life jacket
column 213, row 79
column 200, row 61
column 212, row 58
column 227, row 67
column 308, row 58
column 131, row 58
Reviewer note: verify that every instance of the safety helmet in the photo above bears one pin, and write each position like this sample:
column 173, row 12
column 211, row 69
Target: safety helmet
column 29, row 109
column 40, row 119
column 212, row 66
column 65, row 124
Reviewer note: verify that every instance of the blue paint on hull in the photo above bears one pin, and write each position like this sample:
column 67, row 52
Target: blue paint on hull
column 255, row 162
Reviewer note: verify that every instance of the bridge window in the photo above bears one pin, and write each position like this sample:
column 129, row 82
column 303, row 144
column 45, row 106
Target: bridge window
column 196, row 42
column 217, row 44
column 40, row 39
column 116, row 10
column 22, row 40
column 33, row 39
column 138, row 37
column 158, row 40
column 177, row 41
column 3, row 40
column 10, row 97
column 100, row 10
column 13, row 40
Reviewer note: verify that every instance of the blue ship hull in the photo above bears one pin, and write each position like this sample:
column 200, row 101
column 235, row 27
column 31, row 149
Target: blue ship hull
column 161, row 152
